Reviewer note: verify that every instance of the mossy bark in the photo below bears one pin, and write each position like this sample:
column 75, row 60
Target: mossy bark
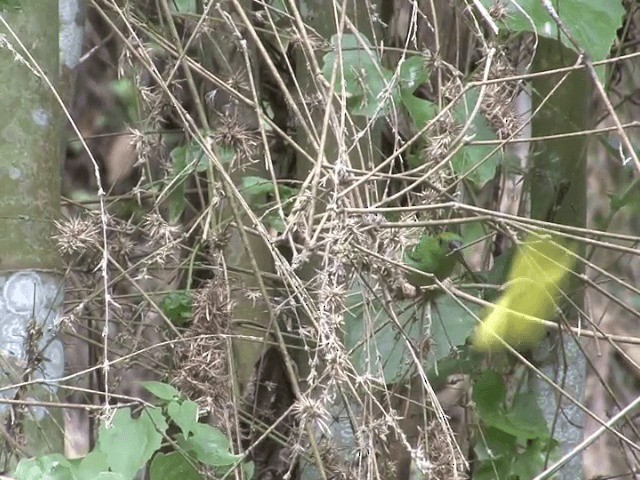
column 30, row 280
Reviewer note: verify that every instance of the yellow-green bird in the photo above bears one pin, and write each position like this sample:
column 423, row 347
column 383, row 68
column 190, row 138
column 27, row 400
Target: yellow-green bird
column 537, row 274
column 436, row 255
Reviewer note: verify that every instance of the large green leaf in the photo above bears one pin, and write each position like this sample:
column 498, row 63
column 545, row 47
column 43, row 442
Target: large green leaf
column 452, row 321
column 185, row 414
column 375, row 343
column 534, row 458
column 414, row 71
column 378, row 345
column 183, row 6
column 630, row 196
column 116, row 440
column 177, row 306
column 254, row 187
column 257, row 190
column 54, row 467
column 88, row 468
column 475, row 162
column 500, row 455
column 162, row 391
column 209, row 446
column 420, row 110
column 515, row 440
column 524, row 420
column 592, row 23
column 364, row 80
column 171, row 466
column 490, row 470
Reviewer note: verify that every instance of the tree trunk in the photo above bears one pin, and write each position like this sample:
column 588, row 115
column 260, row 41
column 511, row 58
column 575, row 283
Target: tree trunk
column 30, row 277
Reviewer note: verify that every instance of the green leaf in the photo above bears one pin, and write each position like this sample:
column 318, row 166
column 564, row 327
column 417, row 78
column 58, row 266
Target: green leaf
column 363, row 77
column 488, row 392
column 209, row 446
column 534, row 458
column 451, row 325
column 172, row 466
column 183, row 6
column 249, row 469
column 256, row 186
column 89, row 467
column 421, row 111
column 179, row 175
column 177, row 307
column 414, row 160
column 53, row 467
column 117, row 440
column 281, row 14
column 526, row 417
column 500, row 455
column 465, row 361
column 256, row 190
column 225, row 155
column 376, row 344
column 274, row 221
column 161, row 390
column 523, row 421
column 185, row 415
column 280, row 7
column 494, row 444
column 126, row 92
column 413, row 73
column 592, row 23
column 473, row 161
column 191, row 158
column 495, row 453
column 185, row 160
column 630, row 196
column 473, row 232
column 492, row 470
column 197, row 157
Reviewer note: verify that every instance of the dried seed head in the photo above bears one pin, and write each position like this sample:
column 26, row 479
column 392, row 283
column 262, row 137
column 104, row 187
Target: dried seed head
column 78, row 236
column 312, row 410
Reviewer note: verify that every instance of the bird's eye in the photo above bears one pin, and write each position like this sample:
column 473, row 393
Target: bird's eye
column 454, row 245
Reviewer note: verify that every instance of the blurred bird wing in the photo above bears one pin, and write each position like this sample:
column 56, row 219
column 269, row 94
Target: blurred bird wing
column 534, row 284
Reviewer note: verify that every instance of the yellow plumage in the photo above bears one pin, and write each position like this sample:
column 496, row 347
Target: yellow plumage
column 538, row 271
